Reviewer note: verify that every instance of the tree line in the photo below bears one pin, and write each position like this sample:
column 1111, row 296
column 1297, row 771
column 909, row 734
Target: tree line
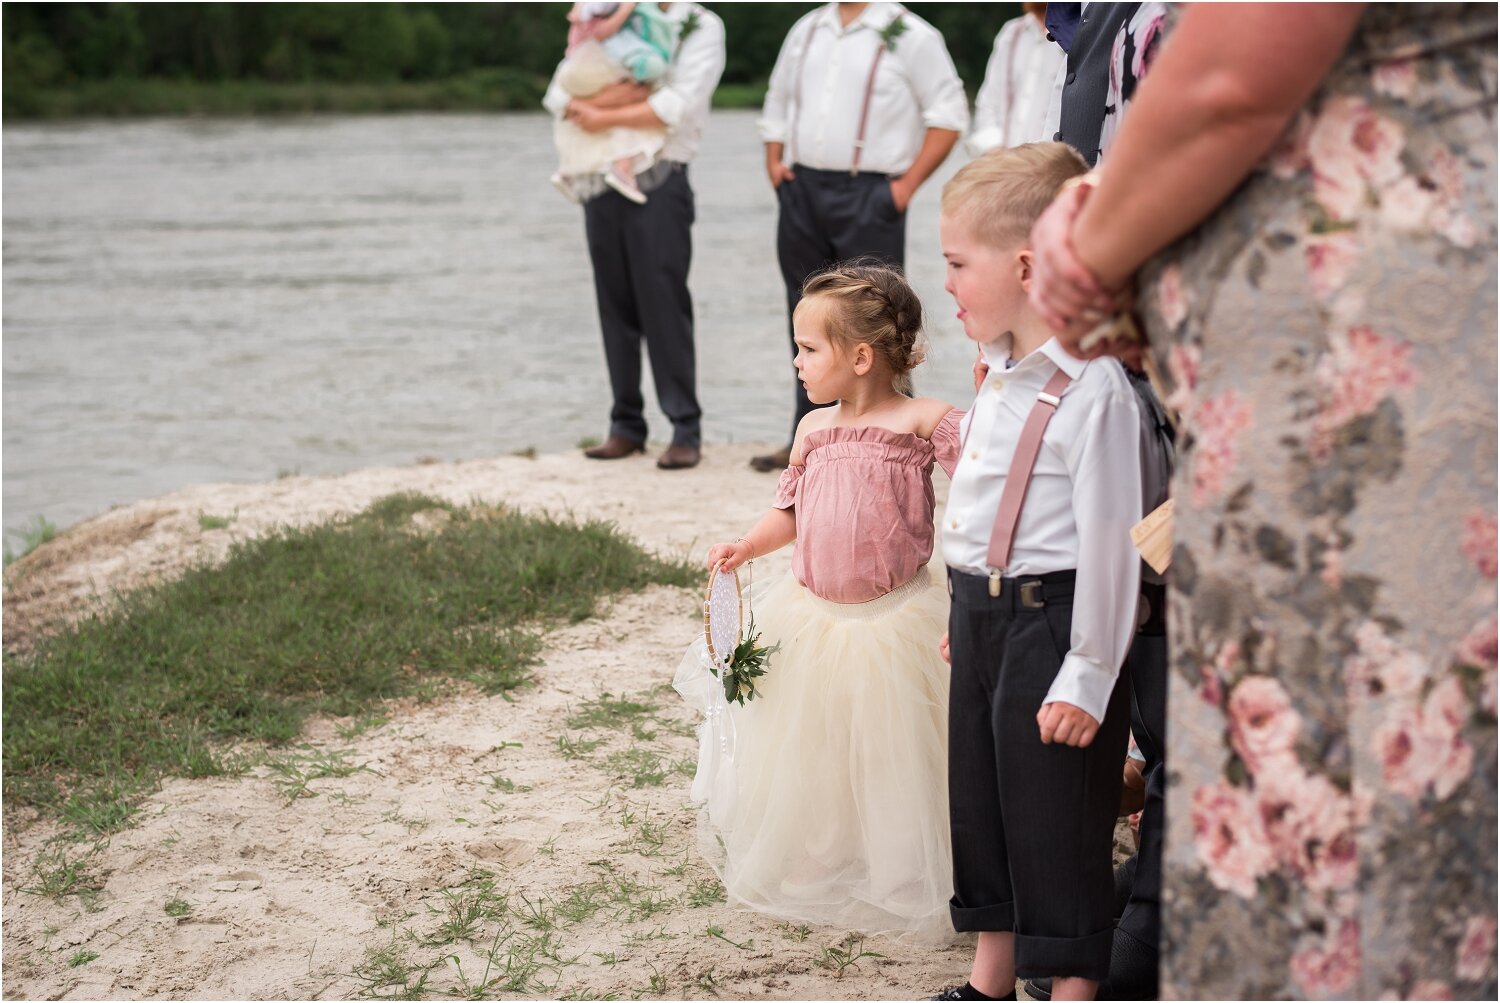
column 511, row 48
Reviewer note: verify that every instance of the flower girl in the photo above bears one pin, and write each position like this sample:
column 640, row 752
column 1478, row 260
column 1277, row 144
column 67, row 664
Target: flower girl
column 825, row 796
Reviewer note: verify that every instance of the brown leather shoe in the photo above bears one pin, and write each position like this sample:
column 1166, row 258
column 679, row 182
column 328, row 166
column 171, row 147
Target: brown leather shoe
column 615, row 447
column 769, row 462
column 679, row 458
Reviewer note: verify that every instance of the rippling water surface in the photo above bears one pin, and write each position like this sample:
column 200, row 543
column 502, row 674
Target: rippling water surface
column 219, row 300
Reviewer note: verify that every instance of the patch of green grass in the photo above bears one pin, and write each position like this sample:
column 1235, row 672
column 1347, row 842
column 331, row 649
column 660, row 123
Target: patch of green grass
column 588, row 442
column 525, row 453
column 740, row 95
column 845, row 955
column 30, row 536
column 609, row 711
column 577, row 748
column 81, row 958
column 704, row 892
column 642, row 767
column 178, row 908
column 207, row 522
column 329, row 619
column 387, row 973
column 293, row 773
column 60, row 870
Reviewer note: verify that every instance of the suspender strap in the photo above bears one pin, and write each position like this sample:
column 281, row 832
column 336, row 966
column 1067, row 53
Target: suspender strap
column 1019, row 477
column 791, row 135
column 1010, row 79
column 864, row 111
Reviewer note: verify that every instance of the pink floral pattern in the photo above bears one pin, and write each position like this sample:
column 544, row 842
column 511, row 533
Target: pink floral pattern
column 1358, row 373
column 1329, row 336
column 1230, row 839
column 1216, row 424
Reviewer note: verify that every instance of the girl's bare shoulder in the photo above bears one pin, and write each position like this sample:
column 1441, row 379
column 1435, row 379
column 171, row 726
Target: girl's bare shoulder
column 926, row 413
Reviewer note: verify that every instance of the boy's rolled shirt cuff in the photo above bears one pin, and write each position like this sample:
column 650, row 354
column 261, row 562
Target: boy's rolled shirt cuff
column 1083, row 683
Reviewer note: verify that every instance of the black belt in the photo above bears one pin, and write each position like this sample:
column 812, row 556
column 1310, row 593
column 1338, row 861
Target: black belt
column 1021, row 593
column 844, row 175
column 1055, row 587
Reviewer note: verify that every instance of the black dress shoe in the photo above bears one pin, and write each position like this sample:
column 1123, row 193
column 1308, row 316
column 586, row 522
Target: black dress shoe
column 968, row 992
column 1041, row 988
column 768, row 462
column 679, row 458
column 615, row 447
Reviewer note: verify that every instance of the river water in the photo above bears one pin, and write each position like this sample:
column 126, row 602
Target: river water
column 189, row 301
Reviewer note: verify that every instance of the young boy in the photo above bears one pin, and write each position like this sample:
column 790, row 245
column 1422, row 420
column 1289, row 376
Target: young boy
column 1037, row 725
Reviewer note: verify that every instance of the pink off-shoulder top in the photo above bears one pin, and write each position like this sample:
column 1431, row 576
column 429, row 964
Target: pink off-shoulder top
column 864, row 503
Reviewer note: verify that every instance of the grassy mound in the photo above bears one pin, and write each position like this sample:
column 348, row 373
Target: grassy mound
column 330, row 619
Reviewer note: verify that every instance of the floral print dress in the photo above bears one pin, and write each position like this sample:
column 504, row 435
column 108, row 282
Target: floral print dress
column 1331, row 337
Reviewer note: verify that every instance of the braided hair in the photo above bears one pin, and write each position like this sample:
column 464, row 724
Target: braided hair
column 873, row 304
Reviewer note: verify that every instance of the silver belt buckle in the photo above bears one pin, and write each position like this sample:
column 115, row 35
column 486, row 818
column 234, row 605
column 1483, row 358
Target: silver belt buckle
column 1032, row 597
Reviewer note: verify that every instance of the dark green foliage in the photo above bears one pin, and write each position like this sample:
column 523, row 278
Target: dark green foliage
column 136, row 58
column 328, row 619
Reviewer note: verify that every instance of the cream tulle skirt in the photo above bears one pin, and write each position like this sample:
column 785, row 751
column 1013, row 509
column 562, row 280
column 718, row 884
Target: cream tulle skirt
column 825, row 799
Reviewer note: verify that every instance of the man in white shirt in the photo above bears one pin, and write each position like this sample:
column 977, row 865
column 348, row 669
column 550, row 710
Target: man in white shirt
column 641, row 253
column 863, row 105
column 1021, row 84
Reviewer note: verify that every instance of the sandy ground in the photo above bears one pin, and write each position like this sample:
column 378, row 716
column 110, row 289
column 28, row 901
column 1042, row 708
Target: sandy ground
column 471, row 838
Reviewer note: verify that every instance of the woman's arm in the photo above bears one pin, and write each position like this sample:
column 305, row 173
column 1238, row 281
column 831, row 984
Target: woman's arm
column 1223, row 89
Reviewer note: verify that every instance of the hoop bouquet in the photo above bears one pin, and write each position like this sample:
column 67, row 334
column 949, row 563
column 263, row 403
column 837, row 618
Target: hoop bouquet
column 736, row 656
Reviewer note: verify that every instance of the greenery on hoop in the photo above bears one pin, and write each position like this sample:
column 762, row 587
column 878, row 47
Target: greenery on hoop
column 747, row 664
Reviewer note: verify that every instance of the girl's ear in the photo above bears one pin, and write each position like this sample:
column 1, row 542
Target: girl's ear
column 863, row 358
column 1024, row 272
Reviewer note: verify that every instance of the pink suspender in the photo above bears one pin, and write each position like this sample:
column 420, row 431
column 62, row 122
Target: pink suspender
column 1003, row 537
column 864, row 111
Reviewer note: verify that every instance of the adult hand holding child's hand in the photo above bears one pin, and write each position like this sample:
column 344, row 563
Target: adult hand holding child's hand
column 1065, row 724
column 1063, row 290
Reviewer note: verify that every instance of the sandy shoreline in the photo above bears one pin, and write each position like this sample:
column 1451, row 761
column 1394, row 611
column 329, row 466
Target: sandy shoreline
column 330, row 896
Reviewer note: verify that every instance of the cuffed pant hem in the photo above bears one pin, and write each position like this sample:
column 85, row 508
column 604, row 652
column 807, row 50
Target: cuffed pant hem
column 989, row 919
column 1064, row 957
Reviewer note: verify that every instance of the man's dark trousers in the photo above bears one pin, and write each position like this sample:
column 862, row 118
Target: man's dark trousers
column 641, row 255
column 830, row 216
column 1141, row 920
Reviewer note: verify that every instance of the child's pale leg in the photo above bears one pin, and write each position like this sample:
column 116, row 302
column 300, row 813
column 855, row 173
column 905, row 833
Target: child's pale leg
column 1071, row 988
column 994, row 971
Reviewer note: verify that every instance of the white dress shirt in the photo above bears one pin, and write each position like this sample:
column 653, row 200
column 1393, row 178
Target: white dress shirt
column 1084, row 496
column 916, row 89
column 1021, row 86
column 682, row 99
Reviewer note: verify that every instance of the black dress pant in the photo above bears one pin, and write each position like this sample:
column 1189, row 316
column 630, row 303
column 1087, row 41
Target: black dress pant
column 831, row 216
column 1032, row 824
column 641, row 255
column 1147, row 663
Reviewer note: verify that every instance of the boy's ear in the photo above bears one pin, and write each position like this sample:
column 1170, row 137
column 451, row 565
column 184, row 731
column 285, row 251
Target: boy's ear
column 1024, row 272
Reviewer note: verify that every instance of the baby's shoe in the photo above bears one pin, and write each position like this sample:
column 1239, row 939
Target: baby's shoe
column 561, row 183
column 625, row 185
